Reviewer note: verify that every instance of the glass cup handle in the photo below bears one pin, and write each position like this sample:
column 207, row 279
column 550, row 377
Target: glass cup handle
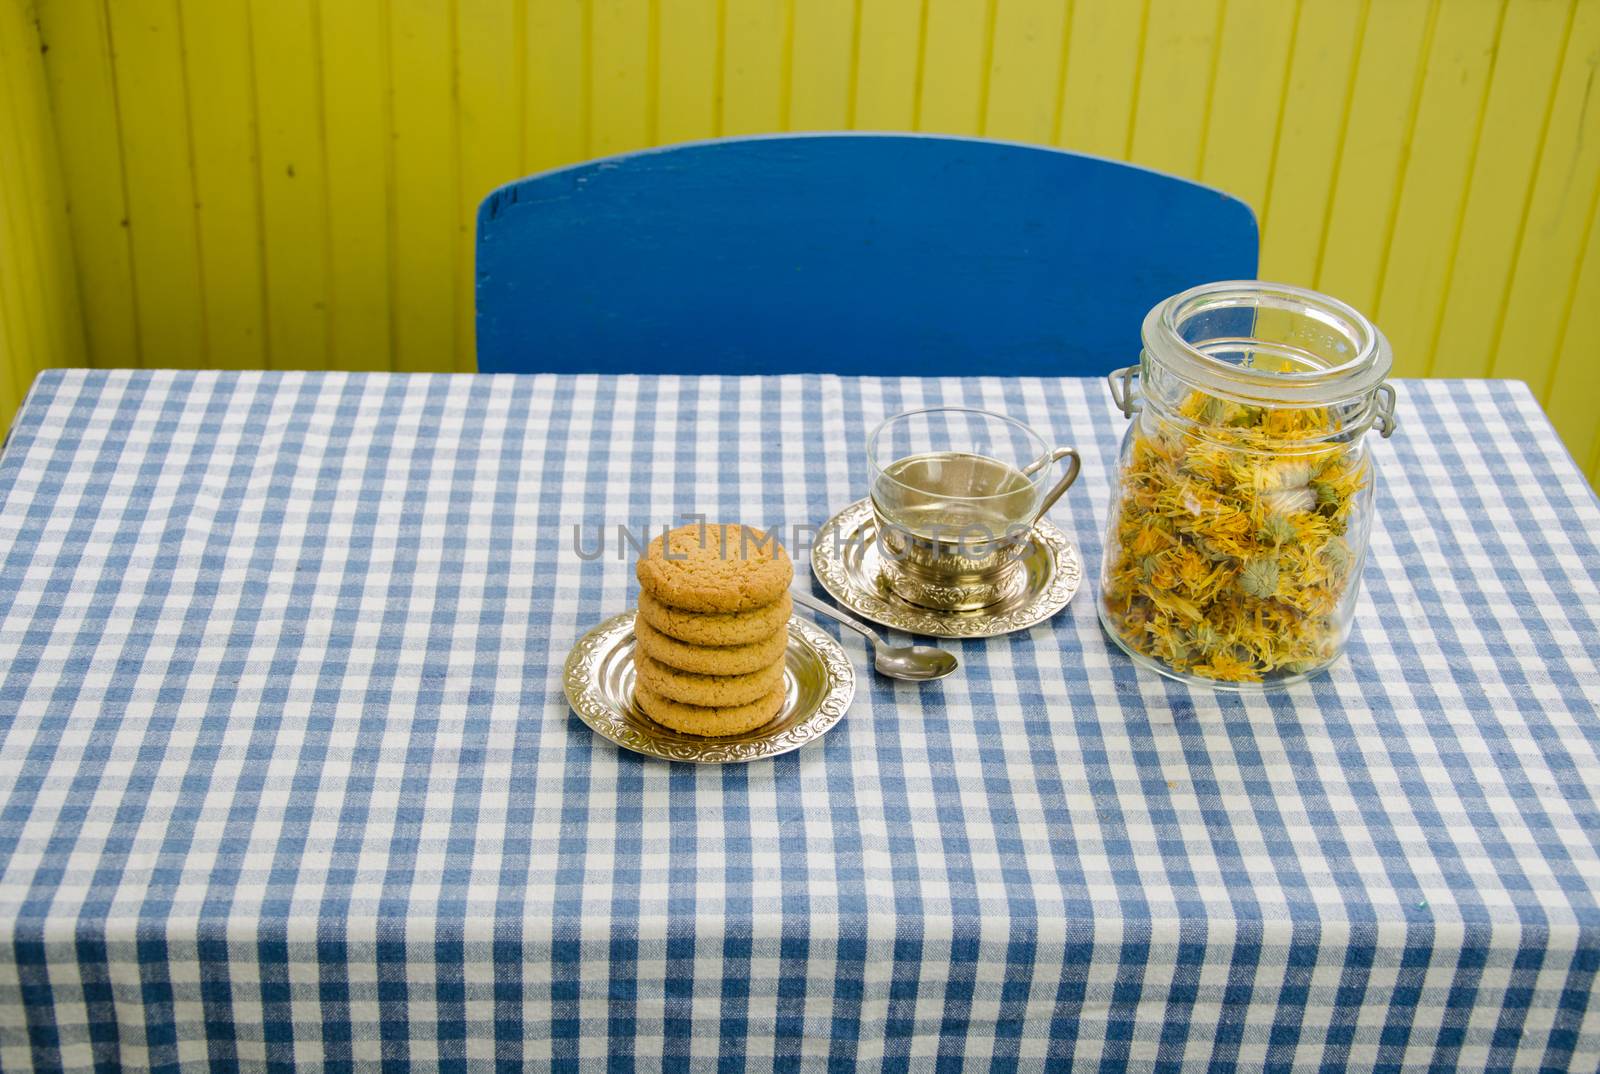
column 1122, row 389
column 1074, row 467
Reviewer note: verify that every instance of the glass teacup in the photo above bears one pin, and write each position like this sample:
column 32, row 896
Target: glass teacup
column 955, row 495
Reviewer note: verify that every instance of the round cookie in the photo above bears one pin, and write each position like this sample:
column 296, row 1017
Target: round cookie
column 707, row 691
column 706, row 659
column 724, row 568
column 711, row 723
column 716, row 628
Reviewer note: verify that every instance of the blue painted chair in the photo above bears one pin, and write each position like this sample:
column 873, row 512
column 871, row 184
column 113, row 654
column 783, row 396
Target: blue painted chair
column 843, row 253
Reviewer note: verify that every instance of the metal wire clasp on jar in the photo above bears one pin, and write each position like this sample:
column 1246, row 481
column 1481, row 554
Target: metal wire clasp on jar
column 1244, row 484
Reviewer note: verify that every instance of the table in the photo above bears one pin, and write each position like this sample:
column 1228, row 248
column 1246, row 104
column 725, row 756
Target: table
column 286, row 773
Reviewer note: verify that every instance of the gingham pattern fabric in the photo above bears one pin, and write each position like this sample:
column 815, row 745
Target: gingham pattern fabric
column 287, row 777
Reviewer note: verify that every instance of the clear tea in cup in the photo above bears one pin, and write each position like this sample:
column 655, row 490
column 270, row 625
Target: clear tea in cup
column 955, row 493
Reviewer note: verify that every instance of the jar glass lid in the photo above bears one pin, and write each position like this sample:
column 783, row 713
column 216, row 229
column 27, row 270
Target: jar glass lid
column 1257, row 341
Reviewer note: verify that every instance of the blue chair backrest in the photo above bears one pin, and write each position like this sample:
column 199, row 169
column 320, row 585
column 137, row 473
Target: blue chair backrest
column 844, row 253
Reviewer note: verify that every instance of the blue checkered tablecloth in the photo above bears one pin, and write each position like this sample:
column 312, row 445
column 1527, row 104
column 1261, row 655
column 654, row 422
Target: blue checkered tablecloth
column 287, row 777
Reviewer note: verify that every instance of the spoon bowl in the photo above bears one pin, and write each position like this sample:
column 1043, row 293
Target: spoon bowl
column 913, row 663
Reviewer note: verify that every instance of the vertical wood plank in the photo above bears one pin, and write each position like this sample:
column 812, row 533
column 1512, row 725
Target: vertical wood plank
column 1513, row 124
column 36, row 245
column 755, row 66
column 557, row 83
column 355, row 113
column 19, row 336
column 687, row 71
column 822, row 54
column 1307, row 141
column 41, row 183
column 293, row 191
column 17, row 342
column 1562, row 219
column 620, row 84
column 1377, row 131
column 490, row 133
column 1025, row 70
column 221, row 102
column 1246, row 96
column 1103, row 49
column 83, row 102
column 887, row 69
column 1175, row 84
column 426, row 198
column 955, row 66
column 1444, row 143
column 27, row 336
column 147, row 58
column 1575, row 380
column 1559, row 209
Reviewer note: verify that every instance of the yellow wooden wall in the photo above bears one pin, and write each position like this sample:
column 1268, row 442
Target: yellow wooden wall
column 40, row 320
column 292, row 183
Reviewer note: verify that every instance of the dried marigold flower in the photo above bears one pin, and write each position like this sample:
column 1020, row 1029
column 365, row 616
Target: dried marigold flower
column 1277, row 530
column 1226, row 558
column 1259, row 578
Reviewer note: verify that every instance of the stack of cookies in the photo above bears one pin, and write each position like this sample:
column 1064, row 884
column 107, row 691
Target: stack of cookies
column 712, row 629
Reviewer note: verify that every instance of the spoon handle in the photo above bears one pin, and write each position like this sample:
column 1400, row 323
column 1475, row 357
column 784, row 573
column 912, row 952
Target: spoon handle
column 808, row 601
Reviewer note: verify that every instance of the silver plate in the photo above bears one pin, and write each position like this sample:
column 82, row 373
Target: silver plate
column 818, row 682
column 845, row 560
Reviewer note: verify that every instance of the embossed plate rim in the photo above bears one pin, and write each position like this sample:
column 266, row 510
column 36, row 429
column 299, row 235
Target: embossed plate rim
column 634, row 731
column 827, row 564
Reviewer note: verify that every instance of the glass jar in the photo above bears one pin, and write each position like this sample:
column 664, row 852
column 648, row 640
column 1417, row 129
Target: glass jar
column 1244, row 485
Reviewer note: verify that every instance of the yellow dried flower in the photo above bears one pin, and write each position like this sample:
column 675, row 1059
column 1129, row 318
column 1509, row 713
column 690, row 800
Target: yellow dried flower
column 1229, row 667
column 1226, row 554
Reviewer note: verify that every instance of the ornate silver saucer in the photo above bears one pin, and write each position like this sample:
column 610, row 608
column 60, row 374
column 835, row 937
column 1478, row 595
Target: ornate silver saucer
column 845, row 559
column 818, row 680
